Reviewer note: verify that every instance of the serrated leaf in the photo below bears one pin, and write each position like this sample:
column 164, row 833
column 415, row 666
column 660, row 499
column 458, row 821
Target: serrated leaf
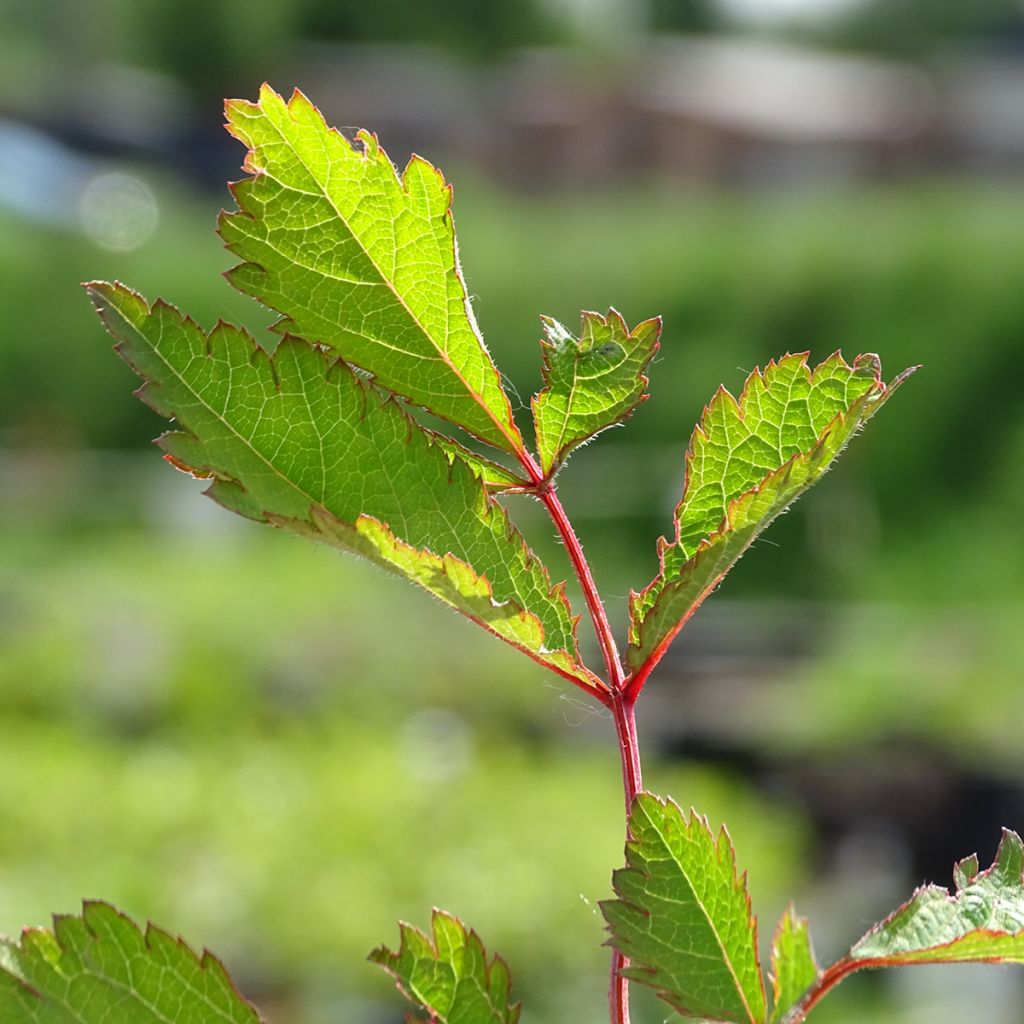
column 361, row 260
column 747, row 462
column 794, row 967
column 683, row 916
column 982, row 920
column 449, row 975
column 100, row 968
column 497, row 478
column 590, row 383
column 297, row 439
column 448, row 578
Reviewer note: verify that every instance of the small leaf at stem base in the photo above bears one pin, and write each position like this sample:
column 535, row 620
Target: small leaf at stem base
column 794, row 967
column 448, row 974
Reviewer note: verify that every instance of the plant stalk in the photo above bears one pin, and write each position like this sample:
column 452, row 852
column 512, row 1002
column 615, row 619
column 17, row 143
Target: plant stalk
column 545, row 491
column 629, row 748
column 620, row 703
column 827, row 981
column 632, row 784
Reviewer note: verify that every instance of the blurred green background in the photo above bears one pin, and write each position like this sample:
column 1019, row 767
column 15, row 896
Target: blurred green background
column 278, row 752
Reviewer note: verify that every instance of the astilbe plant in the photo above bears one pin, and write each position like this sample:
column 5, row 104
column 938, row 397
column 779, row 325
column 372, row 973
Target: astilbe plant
column 322, row 438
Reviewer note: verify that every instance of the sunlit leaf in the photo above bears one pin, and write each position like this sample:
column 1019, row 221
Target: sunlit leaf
column 100, row 968
column 299, row 440
column 683, row 916
column 748, row 460
column 448, row 974
column 362, row 260
column 982, row 920
column 590, row 383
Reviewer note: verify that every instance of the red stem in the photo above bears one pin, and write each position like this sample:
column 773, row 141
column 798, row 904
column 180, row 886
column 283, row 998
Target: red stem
column 605, row 637
column 620, row 703
column 827, row 980
column 629, row 748
column 635, row 683
column 632, row 784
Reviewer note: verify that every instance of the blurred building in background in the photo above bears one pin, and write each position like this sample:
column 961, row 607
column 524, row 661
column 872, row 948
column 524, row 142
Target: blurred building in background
column 563, row 93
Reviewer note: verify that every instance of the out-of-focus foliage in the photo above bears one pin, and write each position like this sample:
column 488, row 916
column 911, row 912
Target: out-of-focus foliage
column 467, row 26
column 209, row 45
column 684, row 15
column 302, row 775
column 922, row 28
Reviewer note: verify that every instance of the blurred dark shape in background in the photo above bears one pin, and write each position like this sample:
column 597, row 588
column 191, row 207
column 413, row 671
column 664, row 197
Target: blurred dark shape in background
column 770, row 175
column 607, row 88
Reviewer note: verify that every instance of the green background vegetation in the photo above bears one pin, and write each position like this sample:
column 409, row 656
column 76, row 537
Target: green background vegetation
column 251, row 741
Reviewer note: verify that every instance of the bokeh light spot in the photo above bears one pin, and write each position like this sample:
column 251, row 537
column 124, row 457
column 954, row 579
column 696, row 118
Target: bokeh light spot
column 118, row 211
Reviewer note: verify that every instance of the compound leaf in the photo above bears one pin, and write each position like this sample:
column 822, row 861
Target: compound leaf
column 361, row 260
column 982, row 920
column 748, row 460
column 299, row 440
column 683, row 916
column 100, row 968
column 448, row 975
column 794, row 968
column 590, row 383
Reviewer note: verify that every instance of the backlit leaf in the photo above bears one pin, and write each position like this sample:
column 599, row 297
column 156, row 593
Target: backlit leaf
column 748, row 460
column 361, row 260
column 590, row 383
column 297, row 439
column 449, row 975
column 496, row 477
column 100, row 968
column 683, row 916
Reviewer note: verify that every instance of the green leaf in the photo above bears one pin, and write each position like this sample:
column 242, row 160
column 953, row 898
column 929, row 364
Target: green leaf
column 361, row 260
column 449, row 976
column 591, row 383
column 794, row 968
column 298, row 440
column 496, row 477
column 683, row 916
column 748, row 460
column 101, row 969
column 982, row 920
